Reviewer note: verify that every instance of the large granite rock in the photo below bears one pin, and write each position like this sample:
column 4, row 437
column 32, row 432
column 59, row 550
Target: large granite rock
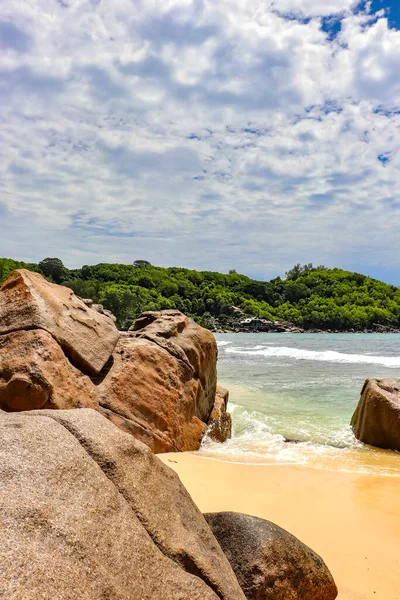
column 29, row 301
column 220, row 421
column 163, row 380
column 193, row 346
column 376, row 420
column 269, row 562
column 159, row 381
column 88, row 512
column 152, row 390
column 34, row 373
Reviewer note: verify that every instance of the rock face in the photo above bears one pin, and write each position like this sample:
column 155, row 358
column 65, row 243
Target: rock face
column 194, row 346
column 89, row 512
column 163, row 380
column 158, row 383
column 376, row 420
column 29, row 301
column 151, row 390
column 220, row 421
column 269, row 562
column 34, row 373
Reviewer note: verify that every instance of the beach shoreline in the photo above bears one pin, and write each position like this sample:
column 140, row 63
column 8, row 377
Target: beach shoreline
column 351, row 519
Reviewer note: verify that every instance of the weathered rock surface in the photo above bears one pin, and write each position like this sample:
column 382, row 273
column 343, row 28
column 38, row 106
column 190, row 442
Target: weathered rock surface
column 152, row 389
column 376, row 420
column 88, row 512
column 158, row 383
column 34, row 373
column 163, row 380
column 192, row 345
column 29, row 301
column 220, row 421
column 269, row 562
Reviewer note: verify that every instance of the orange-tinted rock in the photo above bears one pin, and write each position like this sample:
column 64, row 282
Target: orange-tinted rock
column 153, row 394
column 192, row 345
column 220, row 421
column 376, row 420
column 29, row 301
column 158, row 384
column 34, row 373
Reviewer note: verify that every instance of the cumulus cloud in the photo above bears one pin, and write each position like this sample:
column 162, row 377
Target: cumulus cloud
column 216, row 135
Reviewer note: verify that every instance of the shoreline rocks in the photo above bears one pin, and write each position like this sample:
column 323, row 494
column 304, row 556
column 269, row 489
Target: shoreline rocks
column 376, row 420
column 269, row 562
column 89, row 512
column 156, row 382
column 220, row 421
column 29, row 301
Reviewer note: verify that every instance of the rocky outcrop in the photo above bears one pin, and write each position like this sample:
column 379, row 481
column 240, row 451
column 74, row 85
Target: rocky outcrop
column 29, row 301
column 163, row 381
column 376, row 420
column 194, row 347
column 220, row 421
column 150, row 388
column 269, row 562
column 35, row 373
column 157, row 384
column 89, row 512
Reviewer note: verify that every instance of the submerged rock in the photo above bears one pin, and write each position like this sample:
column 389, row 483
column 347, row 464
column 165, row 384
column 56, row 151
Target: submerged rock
column 269, row 562
column 89, row 512
column 220, row 421
column 376, row 420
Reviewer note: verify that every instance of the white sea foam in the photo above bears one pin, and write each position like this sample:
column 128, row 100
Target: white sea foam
column 253, row 441
column 331, row 356
column 221, row 344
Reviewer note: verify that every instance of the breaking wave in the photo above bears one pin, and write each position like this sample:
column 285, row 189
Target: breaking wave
column 331, row 356
column 254, row 440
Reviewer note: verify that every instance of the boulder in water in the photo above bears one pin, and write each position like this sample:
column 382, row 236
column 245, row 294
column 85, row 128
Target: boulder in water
column 376, row 420
column 220, row 421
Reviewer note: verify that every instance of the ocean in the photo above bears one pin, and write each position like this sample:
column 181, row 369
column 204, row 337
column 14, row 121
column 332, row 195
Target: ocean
column 292, row 397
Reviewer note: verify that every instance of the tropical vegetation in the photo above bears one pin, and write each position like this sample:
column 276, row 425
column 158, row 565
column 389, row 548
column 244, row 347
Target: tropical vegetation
column 308, row 296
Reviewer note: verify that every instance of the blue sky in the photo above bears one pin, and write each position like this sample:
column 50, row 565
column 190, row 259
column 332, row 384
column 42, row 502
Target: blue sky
column 213, row 135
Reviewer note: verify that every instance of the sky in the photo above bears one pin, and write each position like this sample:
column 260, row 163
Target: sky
column 214, row 135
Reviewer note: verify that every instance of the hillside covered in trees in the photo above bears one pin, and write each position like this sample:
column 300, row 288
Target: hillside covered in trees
column 310, row 297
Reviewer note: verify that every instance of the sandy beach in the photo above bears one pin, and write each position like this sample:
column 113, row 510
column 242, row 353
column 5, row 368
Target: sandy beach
column 351, row 519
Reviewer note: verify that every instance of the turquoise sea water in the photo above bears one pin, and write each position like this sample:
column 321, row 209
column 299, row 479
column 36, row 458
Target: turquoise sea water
column 302, row 388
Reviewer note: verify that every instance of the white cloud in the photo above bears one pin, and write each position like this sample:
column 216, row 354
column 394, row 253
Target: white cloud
column 314, row 8
column 208, row 134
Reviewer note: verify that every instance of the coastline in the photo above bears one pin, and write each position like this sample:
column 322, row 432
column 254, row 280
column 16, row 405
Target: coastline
column 351, row 519
column 308, row 331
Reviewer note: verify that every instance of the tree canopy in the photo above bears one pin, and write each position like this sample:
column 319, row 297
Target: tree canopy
column 310, row 297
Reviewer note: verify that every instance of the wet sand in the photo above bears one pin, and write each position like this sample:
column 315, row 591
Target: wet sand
column 351, row 519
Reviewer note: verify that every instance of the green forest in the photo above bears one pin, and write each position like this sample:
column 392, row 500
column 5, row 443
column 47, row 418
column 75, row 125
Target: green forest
column 308, row 296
